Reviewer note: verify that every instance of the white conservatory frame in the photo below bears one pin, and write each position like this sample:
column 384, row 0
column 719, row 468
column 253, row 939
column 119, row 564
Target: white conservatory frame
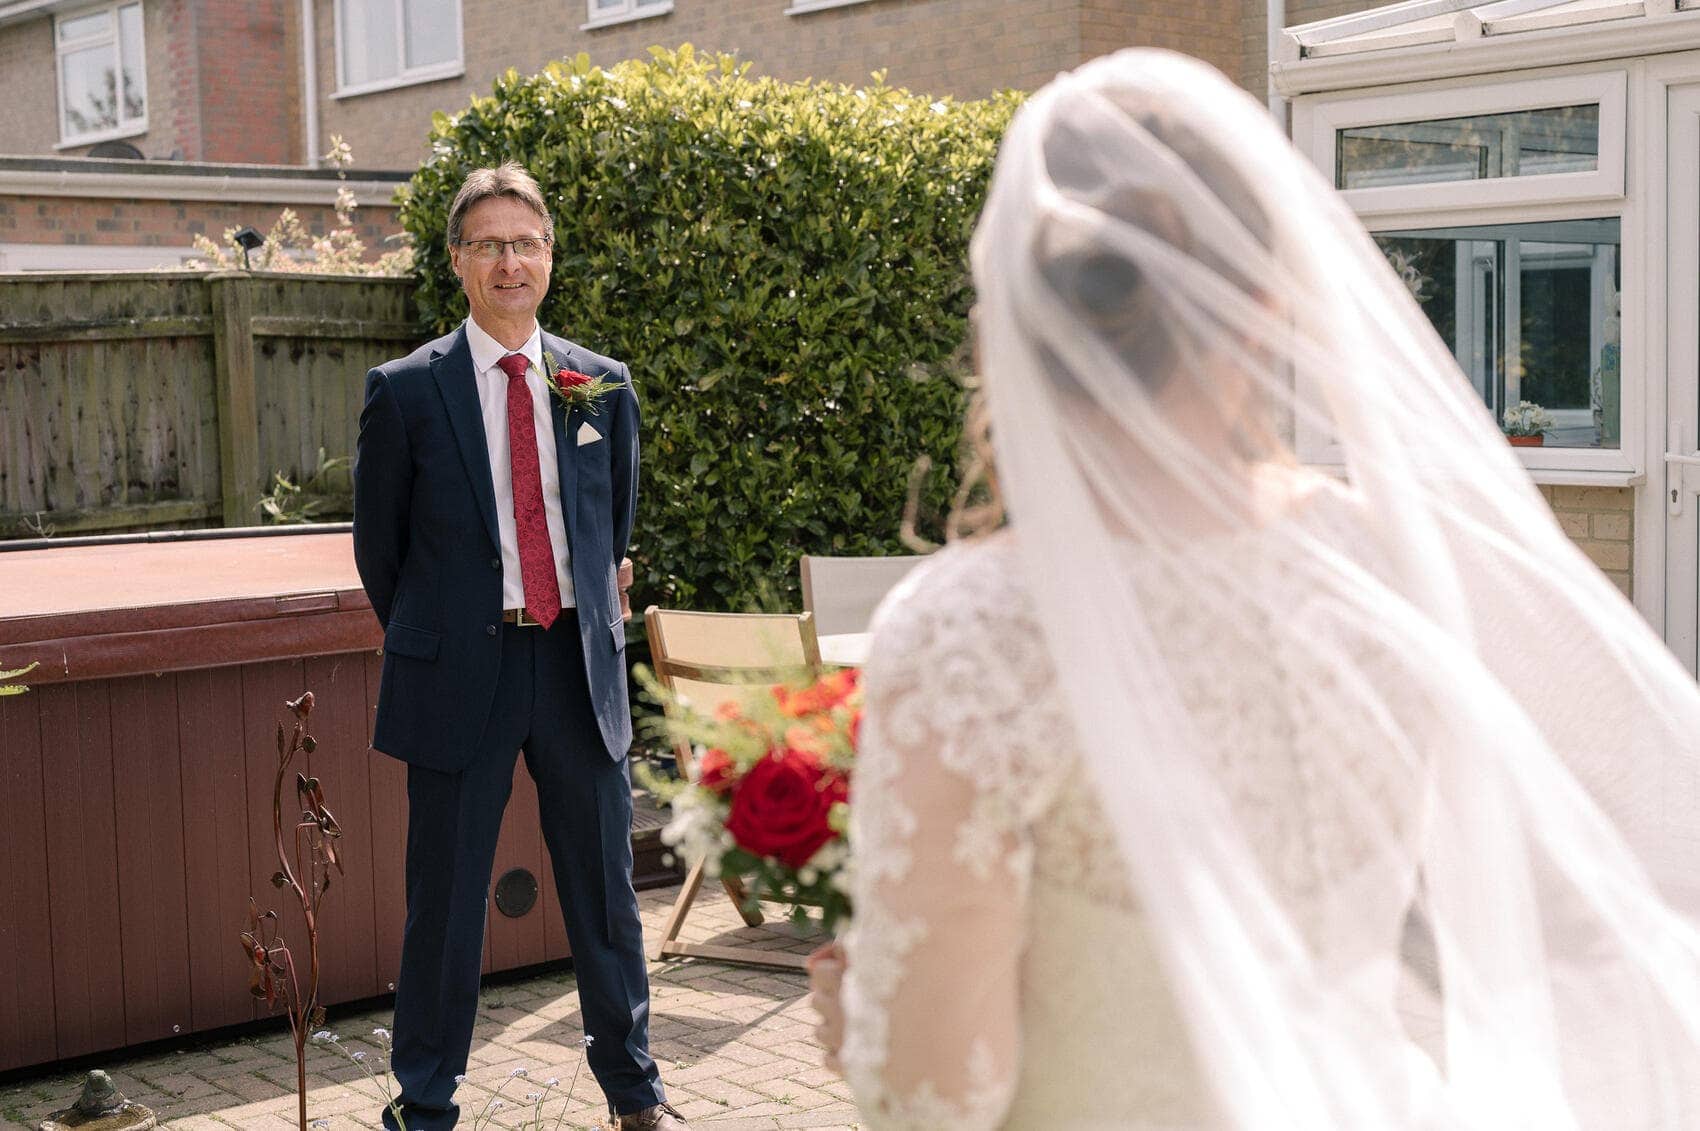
column 1640, row 61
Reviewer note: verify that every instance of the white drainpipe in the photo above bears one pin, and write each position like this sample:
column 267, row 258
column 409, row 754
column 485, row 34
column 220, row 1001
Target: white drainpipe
column 310, row 83
column 1277, row 12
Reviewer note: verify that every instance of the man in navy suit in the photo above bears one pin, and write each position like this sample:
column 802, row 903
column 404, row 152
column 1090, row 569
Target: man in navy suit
column 490, row 515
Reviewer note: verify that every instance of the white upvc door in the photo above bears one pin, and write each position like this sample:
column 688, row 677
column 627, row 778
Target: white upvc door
column 1681, row 471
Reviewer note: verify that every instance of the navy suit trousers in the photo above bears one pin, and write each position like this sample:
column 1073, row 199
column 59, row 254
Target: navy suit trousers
column 543, row 708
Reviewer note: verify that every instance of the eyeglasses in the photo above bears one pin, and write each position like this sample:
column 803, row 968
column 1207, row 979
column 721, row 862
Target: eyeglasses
column 530, row 247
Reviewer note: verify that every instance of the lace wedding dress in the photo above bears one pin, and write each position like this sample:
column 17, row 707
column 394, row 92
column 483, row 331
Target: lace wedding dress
column 1000, row 975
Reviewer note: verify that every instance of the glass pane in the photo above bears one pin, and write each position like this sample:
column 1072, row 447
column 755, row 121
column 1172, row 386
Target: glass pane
column 604, row 6
column 1531, row 314
column 1528, row 143
column 82, row 27
column 89, row 88
column 130, row 51
column 432, row 36
column 369, row 48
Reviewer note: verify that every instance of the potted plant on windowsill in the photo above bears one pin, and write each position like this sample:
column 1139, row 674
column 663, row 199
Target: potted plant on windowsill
column 1525, row 424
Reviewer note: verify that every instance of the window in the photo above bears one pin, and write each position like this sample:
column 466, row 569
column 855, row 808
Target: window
column 1555, row 139
column 620, row 11
column 1531, row 313
column 1560, row 139
column 388, row 43
column 1502, row 207
column 103, row 87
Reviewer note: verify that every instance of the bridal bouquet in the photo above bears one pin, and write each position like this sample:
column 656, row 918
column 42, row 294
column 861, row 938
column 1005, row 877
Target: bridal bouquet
column 768, row 795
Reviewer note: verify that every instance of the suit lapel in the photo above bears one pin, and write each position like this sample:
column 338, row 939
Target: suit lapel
column 459, row 386
column 566, row 444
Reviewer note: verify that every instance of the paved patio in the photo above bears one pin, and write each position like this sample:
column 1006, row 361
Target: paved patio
column 735, row 1045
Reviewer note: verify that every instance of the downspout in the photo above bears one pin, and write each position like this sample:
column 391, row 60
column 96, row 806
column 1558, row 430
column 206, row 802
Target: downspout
column 1277, row 18
column 310, row 83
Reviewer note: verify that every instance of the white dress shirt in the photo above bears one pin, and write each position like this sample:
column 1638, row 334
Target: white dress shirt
column 493, row 400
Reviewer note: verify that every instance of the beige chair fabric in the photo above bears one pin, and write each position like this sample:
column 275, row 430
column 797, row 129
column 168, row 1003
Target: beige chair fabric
column 707, row 659
column 843, row 593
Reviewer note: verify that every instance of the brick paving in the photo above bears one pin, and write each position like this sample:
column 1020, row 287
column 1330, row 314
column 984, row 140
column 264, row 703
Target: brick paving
column 735, row 1046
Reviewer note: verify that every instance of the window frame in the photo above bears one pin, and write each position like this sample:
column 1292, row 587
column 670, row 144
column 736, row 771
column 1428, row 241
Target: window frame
column 629, row 11
column 404, row 76
column 1608, row 89
column 126, row 127
column 1598, row 194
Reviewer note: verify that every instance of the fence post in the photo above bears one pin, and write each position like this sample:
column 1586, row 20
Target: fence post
column 238, row 408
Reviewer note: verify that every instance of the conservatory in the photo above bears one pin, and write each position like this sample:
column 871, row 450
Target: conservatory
column 1532, row 170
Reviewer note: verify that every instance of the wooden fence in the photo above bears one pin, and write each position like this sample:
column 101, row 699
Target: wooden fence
column 145, row 400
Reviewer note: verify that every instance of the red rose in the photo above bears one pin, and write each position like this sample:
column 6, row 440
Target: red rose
column 571, row 378
column 781, row 807
column 715, row 772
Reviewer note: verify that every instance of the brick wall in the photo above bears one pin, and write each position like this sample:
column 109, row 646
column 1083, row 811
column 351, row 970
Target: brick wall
column 28, row 66
column 966, row 48
column 30, row 123
column 223, row 83
column 1601, row 520
column 165, row 223
column 1205, row 29
column 249, row 95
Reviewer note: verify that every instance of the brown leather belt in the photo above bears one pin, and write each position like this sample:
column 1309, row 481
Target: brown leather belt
column 520, row 617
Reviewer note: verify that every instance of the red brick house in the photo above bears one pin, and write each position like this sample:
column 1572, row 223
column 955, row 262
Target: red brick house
column 222, row 107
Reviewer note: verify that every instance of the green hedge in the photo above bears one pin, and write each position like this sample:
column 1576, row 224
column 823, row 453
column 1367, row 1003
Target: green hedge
column 784, row 267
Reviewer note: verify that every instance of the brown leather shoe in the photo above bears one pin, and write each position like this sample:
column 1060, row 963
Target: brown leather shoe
column 661, row 1117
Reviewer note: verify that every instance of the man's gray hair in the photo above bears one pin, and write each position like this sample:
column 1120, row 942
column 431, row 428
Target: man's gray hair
column 507, row 179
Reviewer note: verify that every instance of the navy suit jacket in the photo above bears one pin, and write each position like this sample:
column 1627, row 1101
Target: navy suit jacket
column 428, row 550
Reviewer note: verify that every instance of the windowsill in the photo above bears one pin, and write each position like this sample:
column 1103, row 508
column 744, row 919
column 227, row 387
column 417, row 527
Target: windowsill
column 134, row 129
column 627, row 17
column 804, row 7
column 1546, row 476
column 1565, row 477
column 437, row 73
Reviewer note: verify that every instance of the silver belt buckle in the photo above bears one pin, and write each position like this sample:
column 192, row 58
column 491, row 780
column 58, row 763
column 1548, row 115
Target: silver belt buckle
column 524, row 620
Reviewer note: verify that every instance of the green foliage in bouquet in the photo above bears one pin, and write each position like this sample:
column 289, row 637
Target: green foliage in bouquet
column 784, row 267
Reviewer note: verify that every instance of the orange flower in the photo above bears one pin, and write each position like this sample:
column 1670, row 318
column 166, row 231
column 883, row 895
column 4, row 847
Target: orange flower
column 716, row 773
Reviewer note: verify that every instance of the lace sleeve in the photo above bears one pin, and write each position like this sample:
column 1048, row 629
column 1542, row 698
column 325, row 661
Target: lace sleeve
column 946, row 789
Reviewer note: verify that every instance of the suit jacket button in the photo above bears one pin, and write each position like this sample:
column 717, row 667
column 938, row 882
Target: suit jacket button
column 495, row 563
column 489, row 630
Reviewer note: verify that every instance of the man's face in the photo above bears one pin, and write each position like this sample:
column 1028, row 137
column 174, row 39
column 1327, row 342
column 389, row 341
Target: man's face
column 509, row 288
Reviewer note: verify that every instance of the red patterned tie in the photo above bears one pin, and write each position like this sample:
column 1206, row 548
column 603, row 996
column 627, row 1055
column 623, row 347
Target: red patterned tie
column 536, row 555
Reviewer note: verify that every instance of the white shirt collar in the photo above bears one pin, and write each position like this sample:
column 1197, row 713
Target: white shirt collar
column 487, row 351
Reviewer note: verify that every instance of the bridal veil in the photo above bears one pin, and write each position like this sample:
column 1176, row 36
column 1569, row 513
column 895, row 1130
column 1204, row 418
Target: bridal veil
column 1174, row 307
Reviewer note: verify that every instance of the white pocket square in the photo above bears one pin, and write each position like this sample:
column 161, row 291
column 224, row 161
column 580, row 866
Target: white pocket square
column 587, row 434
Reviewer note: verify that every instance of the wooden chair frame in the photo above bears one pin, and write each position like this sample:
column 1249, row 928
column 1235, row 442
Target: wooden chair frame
column 667, row 670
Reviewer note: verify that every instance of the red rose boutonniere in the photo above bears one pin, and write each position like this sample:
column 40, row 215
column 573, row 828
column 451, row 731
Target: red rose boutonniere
column 575, row 389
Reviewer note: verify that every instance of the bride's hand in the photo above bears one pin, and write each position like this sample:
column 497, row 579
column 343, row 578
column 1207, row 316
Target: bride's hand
column 826, row 975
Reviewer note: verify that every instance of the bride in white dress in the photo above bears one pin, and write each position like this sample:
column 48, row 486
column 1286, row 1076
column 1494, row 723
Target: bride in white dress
column 1151, row 779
